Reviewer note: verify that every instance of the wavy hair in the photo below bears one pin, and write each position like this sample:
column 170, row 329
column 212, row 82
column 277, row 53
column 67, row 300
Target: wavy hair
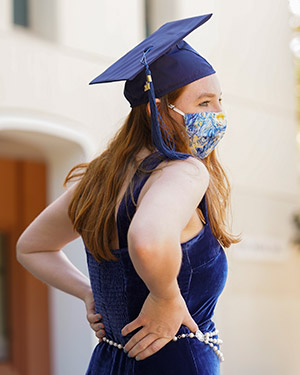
column 94, row 203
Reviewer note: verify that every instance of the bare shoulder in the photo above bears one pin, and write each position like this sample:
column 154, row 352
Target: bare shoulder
column 169, row 198
column 191, row 165
column 190, row 169
column 178, row 176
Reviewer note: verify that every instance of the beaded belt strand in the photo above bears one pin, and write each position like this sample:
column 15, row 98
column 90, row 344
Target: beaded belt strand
column 206, row 337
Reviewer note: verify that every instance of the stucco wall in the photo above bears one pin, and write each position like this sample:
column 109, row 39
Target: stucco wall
column 248, row 44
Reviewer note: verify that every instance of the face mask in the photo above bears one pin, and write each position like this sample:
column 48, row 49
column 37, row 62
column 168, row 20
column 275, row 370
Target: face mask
column 204, row 129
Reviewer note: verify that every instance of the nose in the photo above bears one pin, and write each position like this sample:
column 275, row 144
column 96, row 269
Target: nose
column 218, row 107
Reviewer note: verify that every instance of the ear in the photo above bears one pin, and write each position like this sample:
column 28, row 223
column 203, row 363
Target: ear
column 157, row 101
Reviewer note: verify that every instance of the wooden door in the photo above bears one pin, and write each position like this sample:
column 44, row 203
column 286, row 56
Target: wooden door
column 25, row 307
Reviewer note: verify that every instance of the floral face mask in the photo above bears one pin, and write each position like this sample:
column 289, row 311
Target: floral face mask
column 204, row 129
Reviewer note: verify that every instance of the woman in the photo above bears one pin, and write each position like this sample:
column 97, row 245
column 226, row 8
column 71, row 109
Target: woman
column 151, row 211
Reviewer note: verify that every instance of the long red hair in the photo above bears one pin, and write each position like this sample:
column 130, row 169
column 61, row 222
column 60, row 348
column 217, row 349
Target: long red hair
column 93, row 206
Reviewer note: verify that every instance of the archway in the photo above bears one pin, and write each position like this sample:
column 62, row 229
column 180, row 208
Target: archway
column 57, row 147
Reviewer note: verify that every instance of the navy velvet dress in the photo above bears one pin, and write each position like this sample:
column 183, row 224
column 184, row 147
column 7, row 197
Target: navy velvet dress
column 119, row 294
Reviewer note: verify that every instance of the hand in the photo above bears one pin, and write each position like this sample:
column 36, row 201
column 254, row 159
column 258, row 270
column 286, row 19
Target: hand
column 160, row 320
column 93, row 318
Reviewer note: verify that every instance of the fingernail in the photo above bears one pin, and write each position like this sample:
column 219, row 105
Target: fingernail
column 124, row 350
column 137, row 358
column 99, row 317
column 128, row 355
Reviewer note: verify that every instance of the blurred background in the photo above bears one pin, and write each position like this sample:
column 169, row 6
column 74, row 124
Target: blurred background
column 50, row 119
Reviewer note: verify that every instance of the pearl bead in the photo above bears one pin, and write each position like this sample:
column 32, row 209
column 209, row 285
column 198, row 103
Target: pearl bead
column 175, row 338
column 183, row 336
column 120, row 346
column 191, row 335
column 111, row 342
column 199, row 335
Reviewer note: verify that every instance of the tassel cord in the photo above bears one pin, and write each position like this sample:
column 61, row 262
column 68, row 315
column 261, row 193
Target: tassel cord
column 168, row 149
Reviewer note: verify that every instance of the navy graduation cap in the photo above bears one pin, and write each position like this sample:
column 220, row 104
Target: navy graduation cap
column 161, row 63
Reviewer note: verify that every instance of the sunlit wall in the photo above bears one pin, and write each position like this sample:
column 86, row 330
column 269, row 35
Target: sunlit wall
column 44, row 79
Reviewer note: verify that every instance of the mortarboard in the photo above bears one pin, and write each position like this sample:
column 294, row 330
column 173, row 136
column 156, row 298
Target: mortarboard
column 168, row 63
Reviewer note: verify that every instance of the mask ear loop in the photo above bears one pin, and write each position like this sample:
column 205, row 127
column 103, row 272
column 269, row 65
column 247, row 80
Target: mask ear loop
column 166, row 149
column 176, row 109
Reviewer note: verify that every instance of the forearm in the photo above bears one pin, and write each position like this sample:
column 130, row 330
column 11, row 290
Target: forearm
column 158, row 265
column 55, row 269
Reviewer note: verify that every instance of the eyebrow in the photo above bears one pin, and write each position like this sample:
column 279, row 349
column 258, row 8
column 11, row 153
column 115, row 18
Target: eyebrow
column 207, row 95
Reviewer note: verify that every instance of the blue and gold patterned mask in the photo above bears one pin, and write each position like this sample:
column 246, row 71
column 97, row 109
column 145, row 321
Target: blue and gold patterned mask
column 204, row 129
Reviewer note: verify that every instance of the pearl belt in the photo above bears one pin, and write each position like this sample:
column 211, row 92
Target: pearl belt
column 206, row 337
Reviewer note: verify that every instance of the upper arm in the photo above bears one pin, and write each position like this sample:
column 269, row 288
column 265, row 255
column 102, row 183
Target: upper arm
column 51, row 230
column 170, row 200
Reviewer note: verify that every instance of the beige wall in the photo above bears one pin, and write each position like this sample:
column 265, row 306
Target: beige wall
column 259, row 311
column 248, row 44
column 108, row 28
column 260, row 305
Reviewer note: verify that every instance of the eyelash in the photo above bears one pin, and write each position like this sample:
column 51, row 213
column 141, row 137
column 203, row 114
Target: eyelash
column 207, row 102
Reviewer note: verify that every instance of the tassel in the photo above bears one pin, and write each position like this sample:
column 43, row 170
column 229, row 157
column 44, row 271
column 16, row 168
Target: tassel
column 168, row 149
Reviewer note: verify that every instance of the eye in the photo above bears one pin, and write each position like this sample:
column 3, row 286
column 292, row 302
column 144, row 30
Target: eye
column 205, row 104
column 220, row 100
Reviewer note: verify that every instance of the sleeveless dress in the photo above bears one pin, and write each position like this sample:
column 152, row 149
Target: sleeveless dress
column 119, row 295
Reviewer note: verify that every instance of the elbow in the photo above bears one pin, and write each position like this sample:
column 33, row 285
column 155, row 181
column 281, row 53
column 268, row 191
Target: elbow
column 20, row 250
column 136, row 244
column 139, row 241
column 142, row 244
column 140, row 248
column 152, row 255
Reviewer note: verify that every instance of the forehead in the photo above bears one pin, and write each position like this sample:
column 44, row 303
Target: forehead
column 209, row 84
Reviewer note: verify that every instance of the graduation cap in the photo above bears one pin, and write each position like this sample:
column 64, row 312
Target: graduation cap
column 160, row 64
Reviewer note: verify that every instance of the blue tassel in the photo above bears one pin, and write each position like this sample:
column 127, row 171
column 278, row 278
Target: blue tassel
column 168, row 149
